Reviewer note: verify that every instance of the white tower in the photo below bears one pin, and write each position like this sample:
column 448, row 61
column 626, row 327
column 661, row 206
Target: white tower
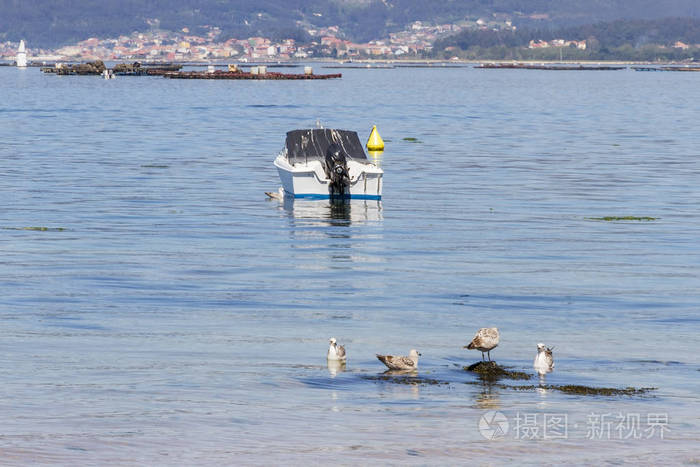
column 21, row 55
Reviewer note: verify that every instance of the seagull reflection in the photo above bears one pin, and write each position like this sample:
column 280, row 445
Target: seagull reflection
column 487, row 398
column 335, row 367
column 404, row 383
column 400, row 372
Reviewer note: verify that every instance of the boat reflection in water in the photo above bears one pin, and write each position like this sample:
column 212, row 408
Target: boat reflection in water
column 335, row 212
column 334, row 236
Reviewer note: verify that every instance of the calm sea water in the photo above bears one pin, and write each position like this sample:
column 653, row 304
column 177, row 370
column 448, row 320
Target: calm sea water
column 168, row 313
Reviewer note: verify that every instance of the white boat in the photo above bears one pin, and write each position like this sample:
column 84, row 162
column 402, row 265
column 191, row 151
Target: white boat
column 325, row 163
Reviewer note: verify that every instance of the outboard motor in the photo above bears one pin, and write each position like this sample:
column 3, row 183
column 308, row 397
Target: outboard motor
column 336, row 167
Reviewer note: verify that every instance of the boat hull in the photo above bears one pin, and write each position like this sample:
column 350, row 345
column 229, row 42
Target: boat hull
column 308, row 180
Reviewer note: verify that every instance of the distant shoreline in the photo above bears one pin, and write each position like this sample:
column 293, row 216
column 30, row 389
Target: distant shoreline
column 365, row 62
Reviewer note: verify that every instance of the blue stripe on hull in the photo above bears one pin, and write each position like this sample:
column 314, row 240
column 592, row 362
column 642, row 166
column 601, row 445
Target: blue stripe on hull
column 317, row 196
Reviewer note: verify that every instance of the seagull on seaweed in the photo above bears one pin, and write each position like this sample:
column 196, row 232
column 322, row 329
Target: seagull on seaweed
column 336, row 352
column 544, row 361
column 484, row 341
column 401, row 363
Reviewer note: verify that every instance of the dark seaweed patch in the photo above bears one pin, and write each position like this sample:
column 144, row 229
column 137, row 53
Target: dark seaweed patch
column 593, row 391
column 578, row 390
column 492, row 371
column 622, row 218
column 411, row 380
column 37, row 229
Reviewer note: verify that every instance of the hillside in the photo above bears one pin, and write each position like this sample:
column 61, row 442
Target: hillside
column 51, row 23
column 621, row 39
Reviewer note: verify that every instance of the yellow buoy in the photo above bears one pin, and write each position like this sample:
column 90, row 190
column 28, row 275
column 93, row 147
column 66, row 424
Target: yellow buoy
column 375, row 143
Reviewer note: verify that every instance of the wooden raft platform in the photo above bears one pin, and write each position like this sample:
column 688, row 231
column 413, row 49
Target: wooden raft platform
column 521, row 66
column 666, row 68
column 244, row 75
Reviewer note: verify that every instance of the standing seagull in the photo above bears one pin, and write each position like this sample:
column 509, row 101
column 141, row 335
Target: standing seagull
column 484, row 341
column 401, row 363
column 336, row 352
column 544, row 361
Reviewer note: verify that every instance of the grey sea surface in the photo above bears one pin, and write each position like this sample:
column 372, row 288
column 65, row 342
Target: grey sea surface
column 157, row 309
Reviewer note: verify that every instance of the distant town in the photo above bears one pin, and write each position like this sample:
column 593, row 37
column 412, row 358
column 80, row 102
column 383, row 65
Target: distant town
column 473, row 39
column 182, row 46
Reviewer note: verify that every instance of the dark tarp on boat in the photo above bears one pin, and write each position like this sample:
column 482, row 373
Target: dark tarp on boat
column 308, row 145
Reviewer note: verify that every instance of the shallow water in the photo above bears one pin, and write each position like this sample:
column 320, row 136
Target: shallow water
column 169, row 313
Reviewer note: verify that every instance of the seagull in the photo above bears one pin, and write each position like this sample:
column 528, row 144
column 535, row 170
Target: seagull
column 544, row 362
column 278, row 195
column 401, row 363
column 336, row 352
column 484, row 341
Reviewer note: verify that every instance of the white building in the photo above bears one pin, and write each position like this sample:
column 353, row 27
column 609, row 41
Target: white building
column 22, row 55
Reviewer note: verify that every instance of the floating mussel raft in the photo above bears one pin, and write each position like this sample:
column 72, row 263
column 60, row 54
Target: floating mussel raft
column 551, row 67
column 137, row 69
column 666, row 68
column 90, row 68
column 98, row 67
column 173, row 71
column 255, row 73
